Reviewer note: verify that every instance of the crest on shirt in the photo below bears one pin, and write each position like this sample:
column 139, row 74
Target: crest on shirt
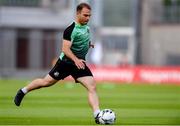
column 88, row 30
column 56, row 74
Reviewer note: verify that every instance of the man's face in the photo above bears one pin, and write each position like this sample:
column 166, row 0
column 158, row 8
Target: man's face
column 84, row 16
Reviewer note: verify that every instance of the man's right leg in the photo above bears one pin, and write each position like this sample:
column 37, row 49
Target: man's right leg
column 35, row 84
column 89, row 83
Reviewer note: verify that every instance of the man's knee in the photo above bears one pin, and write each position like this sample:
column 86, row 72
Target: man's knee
column 47, row 82
column 44, row 83
column 89, row 83
column 92, row 87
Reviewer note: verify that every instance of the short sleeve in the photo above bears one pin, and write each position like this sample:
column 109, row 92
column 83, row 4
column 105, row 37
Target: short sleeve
column 68, row 32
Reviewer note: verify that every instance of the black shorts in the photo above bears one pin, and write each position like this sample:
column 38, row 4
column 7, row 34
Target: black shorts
column 63, row 69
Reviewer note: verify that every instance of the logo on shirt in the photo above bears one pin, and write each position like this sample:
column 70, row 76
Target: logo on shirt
column 56, row 74
column 88, row 31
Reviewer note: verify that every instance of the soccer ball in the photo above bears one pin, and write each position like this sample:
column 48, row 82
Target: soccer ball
column 107, row 117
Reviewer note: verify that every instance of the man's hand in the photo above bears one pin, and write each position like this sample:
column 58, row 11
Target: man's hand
column 91, row 45
column 80, row 63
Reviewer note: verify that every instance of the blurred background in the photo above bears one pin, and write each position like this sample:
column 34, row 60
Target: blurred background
column 125, row 33
column 135, row 41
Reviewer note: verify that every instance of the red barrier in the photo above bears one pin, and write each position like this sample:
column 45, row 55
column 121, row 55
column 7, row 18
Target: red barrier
column 147, row 74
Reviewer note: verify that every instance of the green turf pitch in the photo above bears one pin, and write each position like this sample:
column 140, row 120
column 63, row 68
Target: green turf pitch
column 66, row 104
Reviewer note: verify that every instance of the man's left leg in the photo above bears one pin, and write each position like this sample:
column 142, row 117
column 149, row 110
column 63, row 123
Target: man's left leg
column 89, row 83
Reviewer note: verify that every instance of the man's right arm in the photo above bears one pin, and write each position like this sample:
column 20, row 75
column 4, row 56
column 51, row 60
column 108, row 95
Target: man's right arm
column 66, row 49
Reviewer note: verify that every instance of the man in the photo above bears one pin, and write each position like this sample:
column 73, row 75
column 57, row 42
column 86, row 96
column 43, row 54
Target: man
column 75, row 45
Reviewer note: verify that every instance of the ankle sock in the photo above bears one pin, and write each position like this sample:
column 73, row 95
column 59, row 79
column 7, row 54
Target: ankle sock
column 24, row 90
column 96, row 112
